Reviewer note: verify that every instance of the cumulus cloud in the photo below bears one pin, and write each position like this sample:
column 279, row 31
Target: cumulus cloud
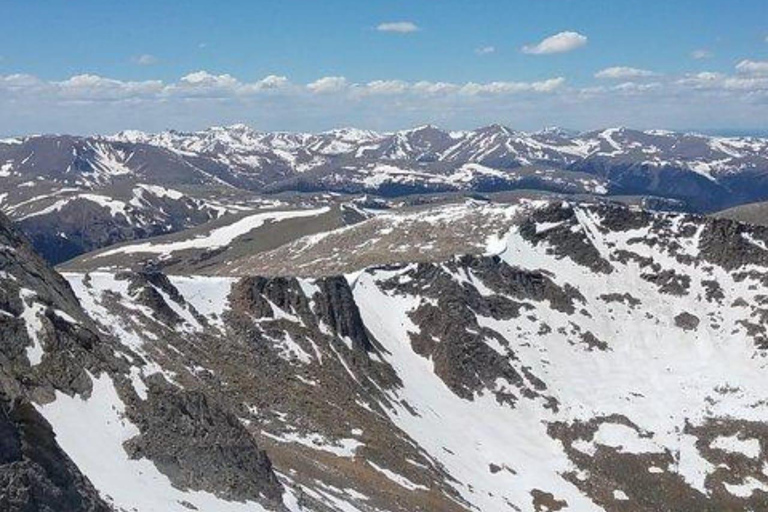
column 328, row 84
column 752, row 67
column 751, row 76
column 96, row 88
column 270, row 83
column 485, row 50
column 206, row 79
column 19, row 81
column 399, row 27
column 634, row 87
column 145, row 60
column 495, row 88
column 702, row 79
column 202, row 84
column 385, row 87
column 434, row 88
column 427, row 88
column 623, row 73
column 751, row 83
column 701, row 54
column 558, row 43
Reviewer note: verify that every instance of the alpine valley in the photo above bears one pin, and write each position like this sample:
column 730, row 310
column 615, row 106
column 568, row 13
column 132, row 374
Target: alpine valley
column 349, row 321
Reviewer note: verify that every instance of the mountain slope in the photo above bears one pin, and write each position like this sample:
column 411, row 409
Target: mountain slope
column 75, row 434
column 222, row 243
column 604, row 358
column 751, row 213
column 35, row 473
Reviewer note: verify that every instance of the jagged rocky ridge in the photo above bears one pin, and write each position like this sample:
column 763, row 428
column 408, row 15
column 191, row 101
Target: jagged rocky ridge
column 601, row 358
column 104, row 190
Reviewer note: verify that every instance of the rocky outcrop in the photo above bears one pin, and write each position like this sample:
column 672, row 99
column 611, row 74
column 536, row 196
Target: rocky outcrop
column 200, row 445
column 450, row 335
column 258, row 295
column 687, row 321
column 40, row 315
column 561, row 237
column 726, row 243
column 335, row 306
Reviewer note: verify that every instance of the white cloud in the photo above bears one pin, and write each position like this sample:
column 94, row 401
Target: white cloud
column 701, row 54
column 205, row 85
column 96, row 88
column 206, row 79
column 558, row 43
column 328, row 84
column 623, row 73
column 202, row 84
column 752, row 67
column 427, row 88
column 703, row 79
column 20, row 81
column 634, row 87
column 270, row 83
column 485, row 50
column 749, row 82
column 145, row 60
column 385, row 87
column 434, row 88
column 493, row 88
column 757, row 84
column 400, row 27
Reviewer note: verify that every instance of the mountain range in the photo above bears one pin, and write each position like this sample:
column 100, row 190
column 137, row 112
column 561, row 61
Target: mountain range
column 133, row 185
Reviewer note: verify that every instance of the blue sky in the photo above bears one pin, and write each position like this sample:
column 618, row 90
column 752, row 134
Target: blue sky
column 679, row 64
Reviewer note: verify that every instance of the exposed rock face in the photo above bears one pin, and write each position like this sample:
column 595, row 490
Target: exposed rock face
column 449, row 333
column 199, row 445
column 256, row 295
column 35, row 474
column 561, row 239
column 727, row 243
column 47, row 340
column 335, row 306
column 687, row 321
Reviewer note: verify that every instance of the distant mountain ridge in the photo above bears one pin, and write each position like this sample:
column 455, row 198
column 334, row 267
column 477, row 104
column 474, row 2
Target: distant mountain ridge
column 495, row 146
column 132, row 185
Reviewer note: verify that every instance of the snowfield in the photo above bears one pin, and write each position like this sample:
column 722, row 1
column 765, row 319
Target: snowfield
column 218, row 237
